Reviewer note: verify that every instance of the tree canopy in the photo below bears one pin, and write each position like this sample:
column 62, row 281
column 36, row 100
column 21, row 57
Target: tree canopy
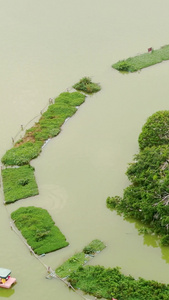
column 147, row 197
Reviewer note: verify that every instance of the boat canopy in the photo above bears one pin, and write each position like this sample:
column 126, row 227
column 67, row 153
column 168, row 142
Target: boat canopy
column 4, row 272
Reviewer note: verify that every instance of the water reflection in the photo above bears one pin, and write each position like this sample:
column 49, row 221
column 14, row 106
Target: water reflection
column 5, row 293
column 150, row 240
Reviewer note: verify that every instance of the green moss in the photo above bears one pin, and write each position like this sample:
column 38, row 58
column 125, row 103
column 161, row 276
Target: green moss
column 145, row 60
column 19, row 183
column 87, row 86
column 111, row 283
column 38, row 228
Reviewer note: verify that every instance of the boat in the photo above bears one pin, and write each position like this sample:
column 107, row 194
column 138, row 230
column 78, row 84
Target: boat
column 6, row 281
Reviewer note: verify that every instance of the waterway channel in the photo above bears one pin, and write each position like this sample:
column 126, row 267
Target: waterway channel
column 47, row 46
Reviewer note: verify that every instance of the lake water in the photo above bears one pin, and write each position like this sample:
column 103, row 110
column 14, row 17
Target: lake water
column 47, row 46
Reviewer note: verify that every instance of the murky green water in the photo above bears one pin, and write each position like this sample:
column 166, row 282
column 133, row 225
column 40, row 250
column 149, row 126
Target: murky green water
column 46, row 46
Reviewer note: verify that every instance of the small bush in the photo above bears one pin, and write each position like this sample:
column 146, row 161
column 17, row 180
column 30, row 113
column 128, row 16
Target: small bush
column 87, row 86
column 124, row 66
column 93, row 247
column 112, row 202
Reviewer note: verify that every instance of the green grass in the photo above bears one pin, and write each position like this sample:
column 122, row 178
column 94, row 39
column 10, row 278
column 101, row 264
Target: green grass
column 111, row 283
column 22, row 154
column 72, row 264
column 49, row 126
column 19, row 183
column 87, row 86
column 30, row 146
column 38, row 228
column 79, row 259
column 72, row 99
column 133, row 64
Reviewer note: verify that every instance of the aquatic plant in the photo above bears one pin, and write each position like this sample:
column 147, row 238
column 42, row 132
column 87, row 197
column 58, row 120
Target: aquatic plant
column 72, row 264
column 18, row 183
column 94, row 246
column 79, row 259
column 49, row 125
column 87, row 86
column 22, row 154
column 38, row 228
column 133, row 64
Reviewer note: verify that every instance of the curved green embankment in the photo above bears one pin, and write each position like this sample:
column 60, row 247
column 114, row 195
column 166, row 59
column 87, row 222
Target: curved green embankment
column 147, row 198
column 30, row 146
column 133, row 64
column 35, row 224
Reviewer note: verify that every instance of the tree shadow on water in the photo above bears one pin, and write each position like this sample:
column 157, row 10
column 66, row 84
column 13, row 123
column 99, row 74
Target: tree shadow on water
column 150, row 239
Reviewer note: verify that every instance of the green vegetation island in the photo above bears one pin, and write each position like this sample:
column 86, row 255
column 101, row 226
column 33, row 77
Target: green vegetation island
column 147, row 197
column 87, row 86
column 111, row 283
column 19, row 182
column 107, row 283
column 39, row 230
column 136, row 63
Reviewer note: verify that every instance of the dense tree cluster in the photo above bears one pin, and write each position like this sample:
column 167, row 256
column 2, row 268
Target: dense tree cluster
column 147, row 198
column 111, row 283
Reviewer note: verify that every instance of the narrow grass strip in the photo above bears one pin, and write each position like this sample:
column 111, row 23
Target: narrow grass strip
column 19, row 183
column 38, row 228
column 133, row 64
column 49, row 126
column 79, row 259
